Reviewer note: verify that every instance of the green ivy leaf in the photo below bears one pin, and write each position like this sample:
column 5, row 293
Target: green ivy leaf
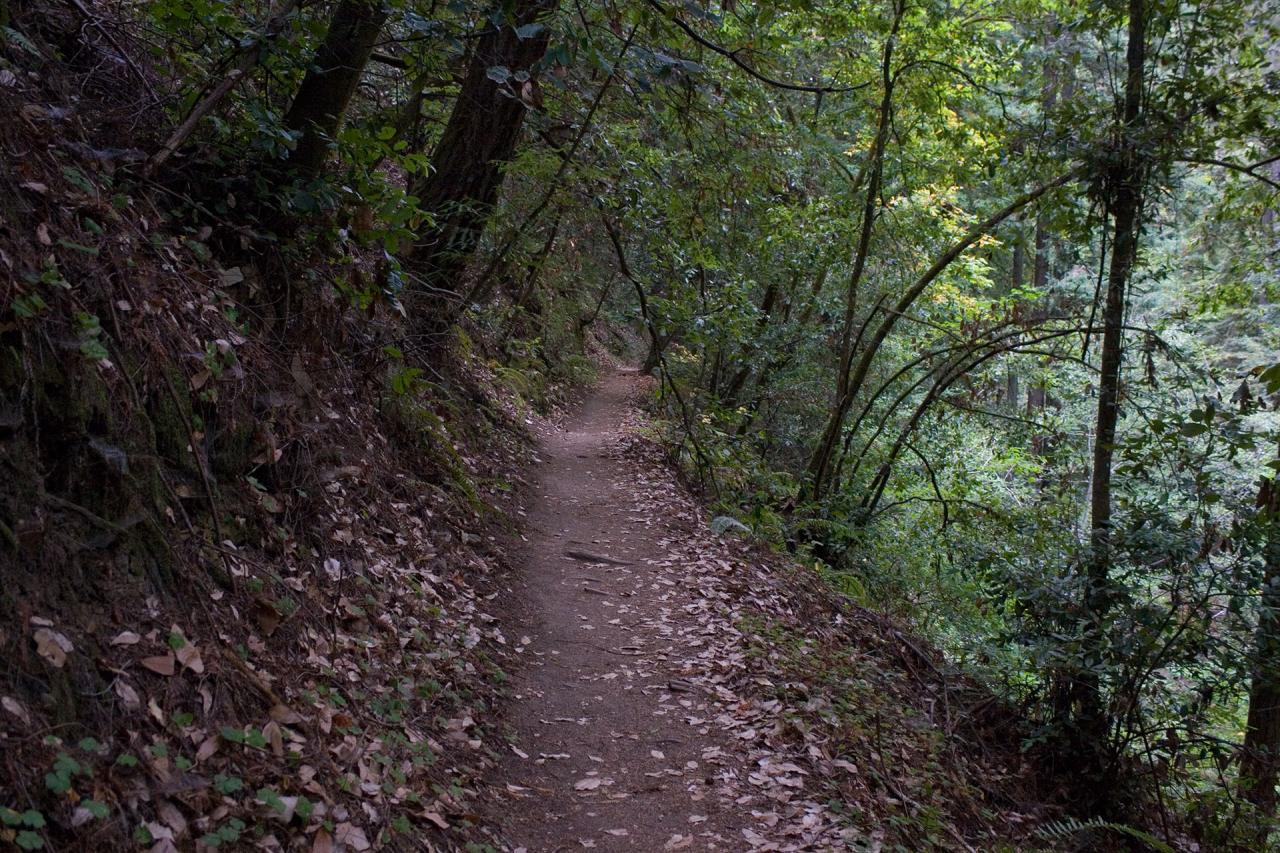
column 29, row 840
column 57, row 783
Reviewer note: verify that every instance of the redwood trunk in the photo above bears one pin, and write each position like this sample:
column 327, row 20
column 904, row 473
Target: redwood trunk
column 466, row 166
column 321, row 103
column 1260, row 762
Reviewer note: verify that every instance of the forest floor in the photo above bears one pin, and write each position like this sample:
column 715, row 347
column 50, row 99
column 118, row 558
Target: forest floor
column 627, row 730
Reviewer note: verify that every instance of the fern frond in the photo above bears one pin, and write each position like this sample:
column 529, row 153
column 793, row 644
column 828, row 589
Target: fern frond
column 1060, row 830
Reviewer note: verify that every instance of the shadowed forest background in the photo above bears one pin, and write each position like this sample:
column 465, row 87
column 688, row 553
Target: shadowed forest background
column 969, row 309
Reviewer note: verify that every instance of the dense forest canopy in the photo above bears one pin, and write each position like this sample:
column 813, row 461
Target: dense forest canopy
column 972, row 306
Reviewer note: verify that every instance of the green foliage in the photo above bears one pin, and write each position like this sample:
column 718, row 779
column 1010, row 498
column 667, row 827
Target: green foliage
column 227, row 785
column 229, row 832
column 65, row 769
column 1063, row 830
column 771, row 189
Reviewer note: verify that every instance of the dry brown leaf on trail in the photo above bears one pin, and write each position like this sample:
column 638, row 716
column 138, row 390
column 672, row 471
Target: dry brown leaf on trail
column 16, row 708
column 267, row 616
column 160, row 664
column 126, row 638
column 206, row 749
column 128, row 696
column 172, row 817
column 189, row 656
column 322, row 843
column 351, row 836
column 285, row 715
column 53, row 646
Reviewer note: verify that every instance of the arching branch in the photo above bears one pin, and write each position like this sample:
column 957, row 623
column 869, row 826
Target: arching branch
column 751, row 70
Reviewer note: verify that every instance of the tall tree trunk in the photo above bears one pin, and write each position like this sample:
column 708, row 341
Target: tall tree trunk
column 746, row 358
column 466, row 166
column 820, row 462
column 1125, row 180
column 1017, row 272
column 1260, row 761
column 321, row 103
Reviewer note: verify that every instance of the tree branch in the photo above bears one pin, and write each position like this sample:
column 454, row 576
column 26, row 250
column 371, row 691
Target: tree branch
column 751, row 70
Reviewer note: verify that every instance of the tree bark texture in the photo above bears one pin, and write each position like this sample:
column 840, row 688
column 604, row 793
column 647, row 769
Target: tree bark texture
column 1125, row 178
column 321, row 102
column 466, row 174
column 1260, row 760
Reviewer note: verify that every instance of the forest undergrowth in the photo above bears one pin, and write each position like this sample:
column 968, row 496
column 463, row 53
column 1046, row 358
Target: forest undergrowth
column 962, row 325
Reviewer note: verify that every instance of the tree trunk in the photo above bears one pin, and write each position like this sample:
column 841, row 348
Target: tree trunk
column 321, row 103
column 1017, row 273
column 1125, row 182
column 1260, row 761
column 820, row 462
column 466, row 166
column 748, row 355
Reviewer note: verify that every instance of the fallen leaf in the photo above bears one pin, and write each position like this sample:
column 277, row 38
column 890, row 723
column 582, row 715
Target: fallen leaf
column 126, row 638
column 207, row 749
column 160, row 665
column 128, row 696
column 266, row 614
column 322, row 843
column 352, row 836
column 52, row 646
column 13, row 706
column 285, row 715
column 172, row 818
column 588, row 784
column 189, row 656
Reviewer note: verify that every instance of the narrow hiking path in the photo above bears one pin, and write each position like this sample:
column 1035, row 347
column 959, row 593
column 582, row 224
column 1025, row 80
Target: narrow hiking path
column 630, row 728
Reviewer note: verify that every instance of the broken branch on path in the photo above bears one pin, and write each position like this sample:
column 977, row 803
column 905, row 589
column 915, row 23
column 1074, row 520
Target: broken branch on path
column 588, row 557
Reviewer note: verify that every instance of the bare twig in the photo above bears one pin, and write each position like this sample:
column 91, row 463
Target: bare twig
column 247, row 57
column 96, row 23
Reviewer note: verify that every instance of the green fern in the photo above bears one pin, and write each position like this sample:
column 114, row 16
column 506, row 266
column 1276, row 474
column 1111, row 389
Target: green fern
column 1060, row 830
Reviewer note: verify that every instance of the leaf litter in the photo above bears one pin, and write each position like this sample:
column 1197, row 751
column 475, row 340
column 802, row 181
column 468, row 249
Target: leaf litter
column 744, row 670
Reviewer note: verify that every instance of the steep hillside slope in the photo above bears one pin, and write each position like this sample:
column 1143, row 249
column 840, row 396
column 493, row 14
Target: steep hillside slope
column 247, row 542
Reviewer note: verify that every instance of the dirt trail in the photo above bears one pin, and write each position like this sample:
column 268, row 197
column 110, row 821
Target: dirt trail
column 624, row 736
